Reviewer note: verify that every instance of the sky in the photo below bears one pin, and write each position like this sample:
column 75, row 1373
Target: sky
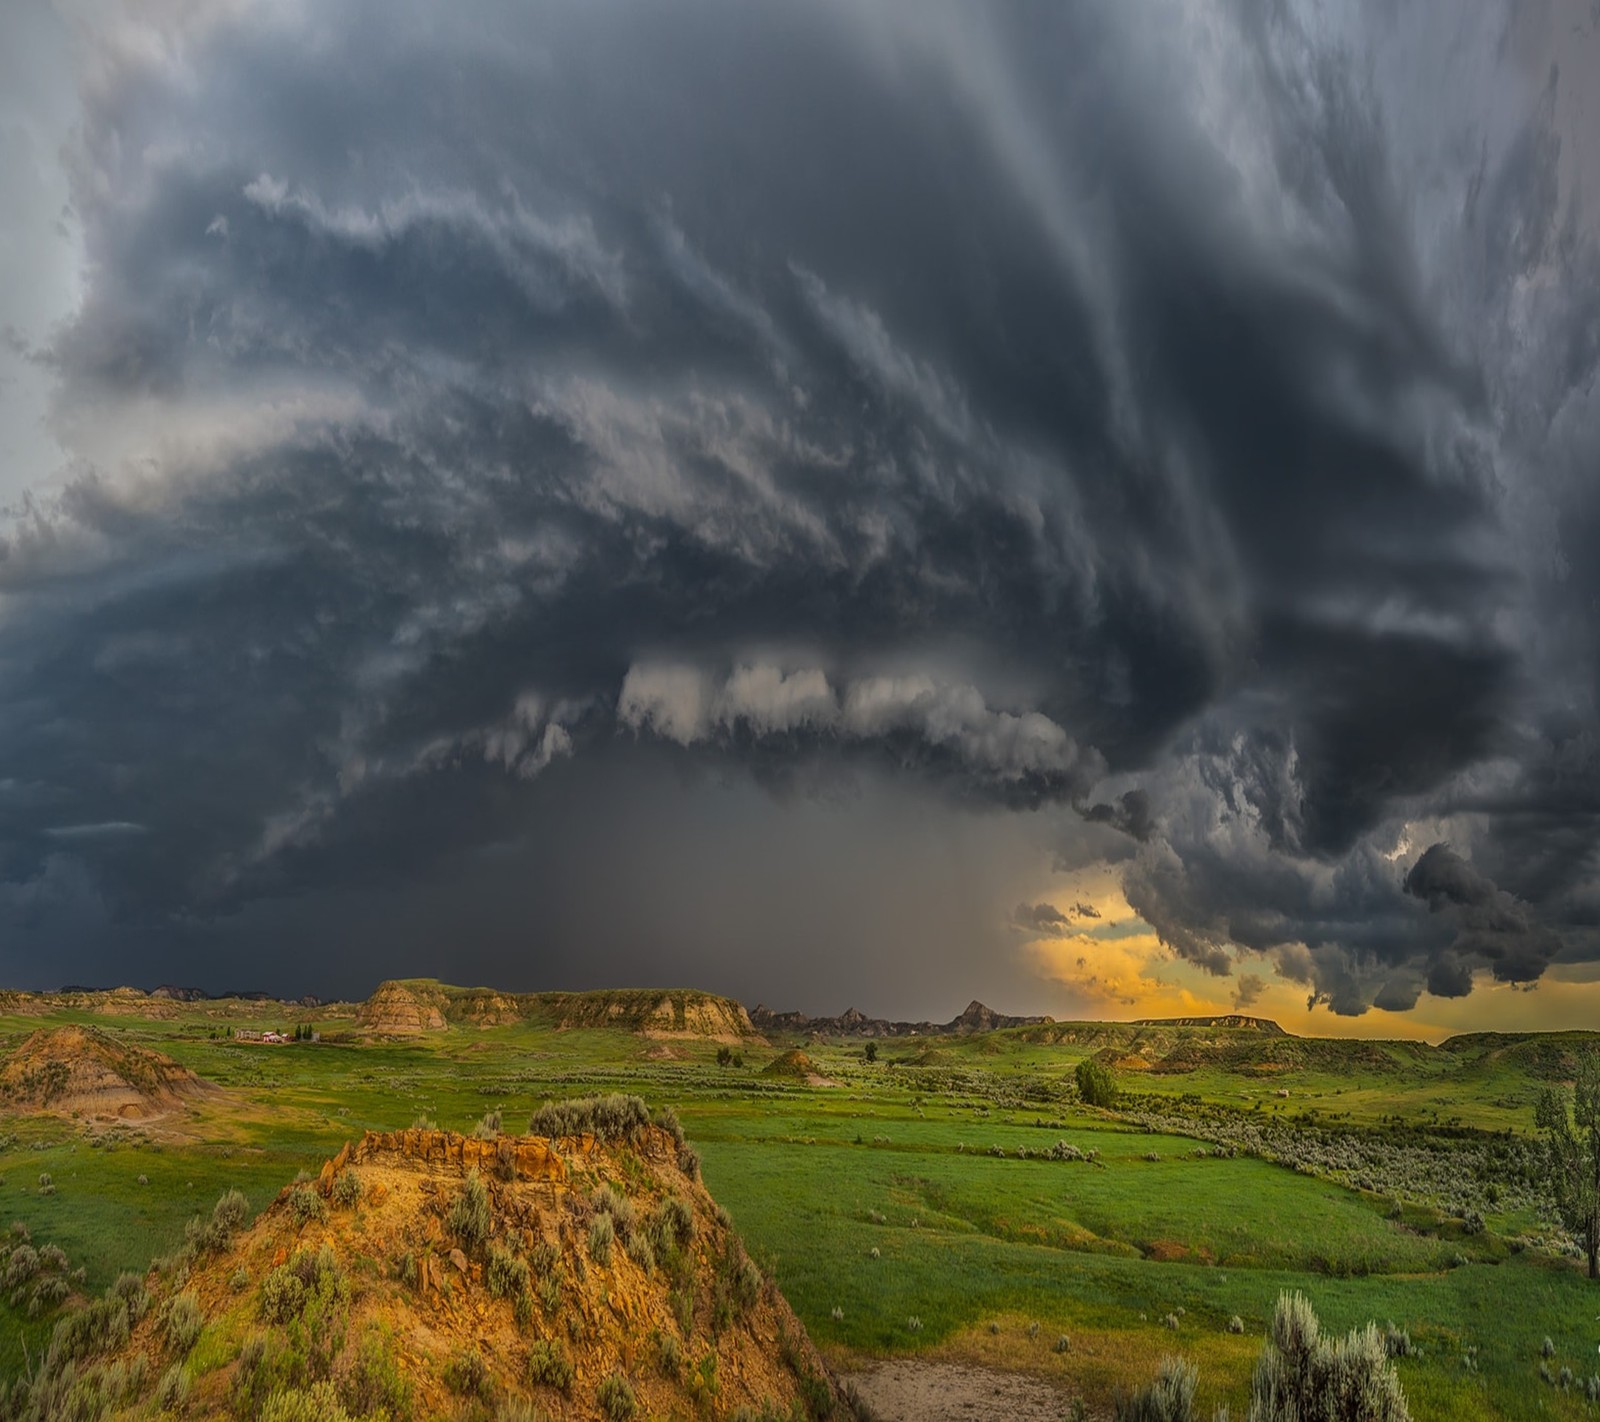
column 1089, row 507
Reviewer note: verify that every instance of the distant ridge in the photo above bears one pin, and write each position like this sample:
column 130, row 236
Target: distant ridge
column 1226, row 1019
column 976, row 1018
column 403, row 1007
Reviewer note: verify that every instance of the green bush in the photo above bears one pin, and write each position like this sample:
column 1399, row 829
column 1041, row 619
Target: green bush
column 548, row 1365
column 1304, row 1377
column 1170, row 1398
column 181, row 1323
column 616, row 1117
column 468, row 1375
column 469, row 1218
column 228, row 1216
column 1096, row 1085
column 306, row 1205
column 619, row 1207
column 173, row 1389
column 669, row 1356
column 672, row 1225
column 601, row 1235
column 369, row 1381
column 346, row 1189
column 615, row 1398
column 506, row 1275
column 319, row 1403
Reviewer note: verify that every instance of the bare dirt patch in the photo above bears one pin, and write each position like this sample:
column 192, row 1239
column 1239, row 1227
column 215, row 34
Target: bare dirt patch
column 918, row 1390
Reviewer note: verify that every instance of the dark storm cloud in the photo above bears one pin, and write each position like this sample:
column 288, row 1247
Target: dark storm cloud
column 815, row 391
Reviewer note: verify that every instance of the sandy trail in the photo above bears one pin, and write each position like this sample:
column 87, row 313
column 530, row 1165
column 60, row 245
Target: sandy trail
column 914, row 1390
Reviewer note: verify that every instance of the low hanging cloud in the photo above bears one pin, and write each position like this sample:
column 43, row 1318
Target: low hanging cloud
column 916, row 720
column 1197, row 488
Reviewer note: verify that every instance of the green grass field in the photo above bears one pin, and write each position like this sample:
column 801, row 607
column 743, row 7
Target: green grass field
column 899, row 1194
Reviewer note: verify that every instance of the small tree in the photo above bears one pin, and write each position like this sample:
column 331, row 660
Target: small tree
column 724, row 1056
column 1571, row 1127
column 870, row 1051
column 1096, row 1085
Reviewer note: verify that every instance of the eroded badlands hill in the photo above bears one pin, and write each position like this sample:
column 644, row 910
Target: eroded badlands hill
column 422, row 1274
column 84, row 1071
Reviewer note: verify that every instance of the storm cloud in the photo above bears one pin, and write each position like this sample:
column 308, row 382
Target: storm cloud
column 1167, row 441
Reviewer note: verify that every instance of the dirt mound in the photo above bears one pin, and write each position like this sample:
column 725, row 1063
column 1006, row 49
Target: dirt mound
column 440, row 1275
column 84, row 1071
column 793, row 1063
column 797, row 1066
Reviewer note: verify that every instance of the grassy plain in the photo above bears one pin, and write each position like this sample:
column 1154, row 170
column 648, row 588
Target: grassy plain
column 895, row 1207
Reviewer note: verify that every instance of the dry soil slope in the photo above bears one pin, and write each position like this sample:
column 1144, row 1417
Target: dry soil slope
column 84, row 1071
column 423, row 1295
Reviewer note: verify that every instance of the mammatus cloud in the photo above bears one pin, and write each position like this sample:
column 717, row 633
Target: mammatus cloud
column 1199, row 486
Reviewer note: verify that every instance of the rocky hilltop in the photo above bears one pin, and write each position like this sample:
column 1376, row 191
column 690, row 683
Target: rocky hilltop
column 976, row 1018
column 427, row 1274
column 86, row 1072
column 1233, row 1021
column 406, row 1007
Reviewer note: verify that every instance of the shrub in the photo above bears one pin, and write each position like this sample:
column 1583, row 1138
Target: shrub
column 306, row 1205
column 641, row 1251
column 228, row 1216
column 310, row 1286
column 132, row 1293
column 99, row 1327
column 239, row 1279
column 488, row 1128
column 667, row 1120
column 173, row 1389
column 601, row 1235
column 346, row 1189
column 619, row 1207
column 1302, row 1375
column 548, row 1365
column 369, row 1381
column 1397, row 1342
column 469, row 1218
column 689, row 1161
column 669, row 1356
column 1547, row 1349
column 672, row 1225
column 1236, row 1324
column 181, row 1323
column 550, row 1293
column 319, row 1403
column 468, row 1375
column 616, row 1117
column 1095, row 1083
column 1170, row 1398
column 506, row 1275
column 615, row 1398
